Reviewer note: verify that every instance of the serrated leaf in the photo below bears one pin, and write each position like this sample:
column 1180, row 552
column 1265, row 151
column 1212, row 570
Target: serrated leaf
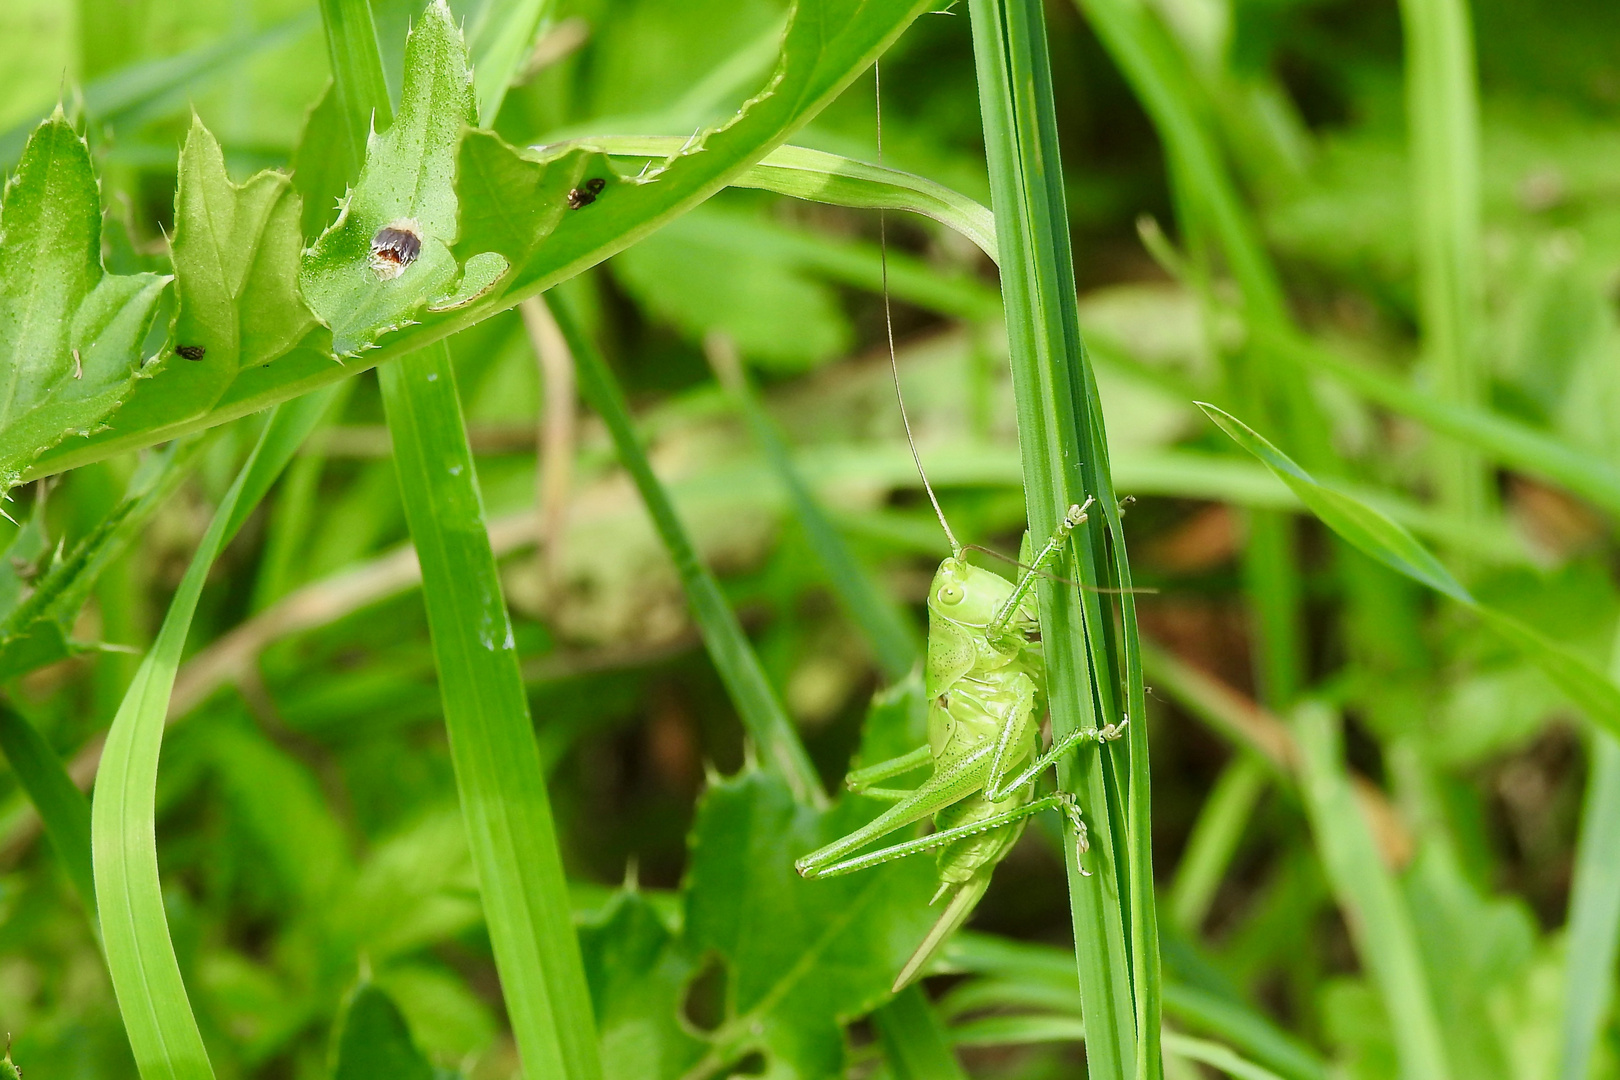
column 510, row 201
column 801, row 956
column 39, row 616
column 374, row 1043
column 236, row 250
column 827, row 46
column 408, row 177
column 70, row 334
column 638, row 973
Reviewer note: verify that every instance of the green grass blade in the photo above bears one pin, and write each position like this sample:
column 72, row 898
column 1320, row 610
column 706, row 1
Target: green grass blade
column 885, row 628
column 1379, row 919
column 1217, row 1056
column 1352, row 519
column 1509, row 442
column 135, row 933
column 126, row 96
column 62, row 807
column 1384, row 540
column 486, row 713
column 728, row 647
column 357, row 76
column 499, row 41
column 818, row 176
column 1594, row 910
column 914, row 1041
column 1442, row 115
column 1214, row 839
column 1094, row 669
column 1241, row 1025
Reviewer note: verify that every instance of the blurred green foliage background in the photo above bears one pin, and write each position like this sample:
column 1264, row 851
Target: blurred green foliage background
column 308, row 827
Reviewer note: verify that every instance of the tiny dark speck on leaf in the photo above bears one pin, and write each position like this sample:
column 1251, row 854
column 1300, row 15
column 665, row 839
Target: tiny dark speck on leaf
column 587, row 193
column 191, row 352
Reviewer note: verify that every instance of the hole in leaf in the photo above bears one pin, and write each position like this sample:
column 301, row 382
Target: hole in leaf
column 704, row 1005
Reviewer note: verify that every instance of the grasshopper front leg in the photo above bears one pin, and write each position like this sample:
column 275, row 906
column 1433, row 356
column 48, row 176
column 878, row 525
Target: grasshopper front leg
column 996, row 791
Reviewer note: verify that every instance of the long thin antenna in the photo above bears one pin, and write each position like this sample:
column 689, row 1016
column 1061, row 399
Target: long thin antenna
column 888, row 324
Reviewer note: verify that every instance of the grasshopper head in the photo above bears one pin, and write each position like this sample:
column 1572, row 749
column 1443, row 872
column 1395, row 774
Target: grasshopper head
column 962, row 601
column 968, row 595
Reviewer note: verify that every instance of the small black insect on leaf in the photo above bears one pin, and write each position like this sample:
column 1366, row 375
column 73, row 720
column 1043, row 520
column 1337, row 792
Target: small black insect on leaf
column 586, row 193
column 395, row 247
column 192, row 352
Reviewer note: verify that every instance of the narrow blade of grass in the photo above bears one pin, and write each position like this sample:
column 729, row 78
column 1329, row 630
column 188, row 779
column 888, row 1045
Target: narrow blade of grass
column 1594, row 908
column 1442, row 115
column 1214, row 838
column 1376, row 535
column 1378, row 916
column 1217, row 1056
column 486, row 714
column 62, row 807
column 818, row 176
column 357, row 75
column 914, row 1041
column 1509, row 442
column 135, row 933
column 734, row 658
column 499, row 41
column 1093, row 665
column 886, row 630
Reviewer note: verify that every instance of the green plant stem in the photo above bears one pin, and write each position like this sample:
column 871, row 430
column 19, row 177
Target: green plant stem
column 1594, row 907
column 1442, row 114
column 1380, row 921
column 1093, row 664
column 486, row 714
column 1214, row 838
column 357, row 73
column 886, row 630
column 728, row 647
column 62, row 807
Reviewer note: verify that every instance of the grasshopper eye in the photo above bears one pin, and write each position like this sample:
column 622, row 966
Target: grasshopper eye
column 950, row 593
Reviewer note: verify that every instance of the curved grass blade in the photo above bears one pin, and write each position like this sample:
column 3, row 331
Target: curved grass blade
column 1376, row 535
column 1380, row 922
column 891, row 637
column 135, row 934
column 734, row 658
column 1358, row 523
column 499, row 41
column 1216, row 1056
column 1511, row 443
column 817, row 176
column 486, row 714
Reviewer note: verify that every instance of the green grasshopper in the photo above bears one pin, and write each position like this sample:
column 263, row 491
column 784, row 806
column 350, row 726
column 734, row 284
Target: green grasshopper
column 985, row 678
